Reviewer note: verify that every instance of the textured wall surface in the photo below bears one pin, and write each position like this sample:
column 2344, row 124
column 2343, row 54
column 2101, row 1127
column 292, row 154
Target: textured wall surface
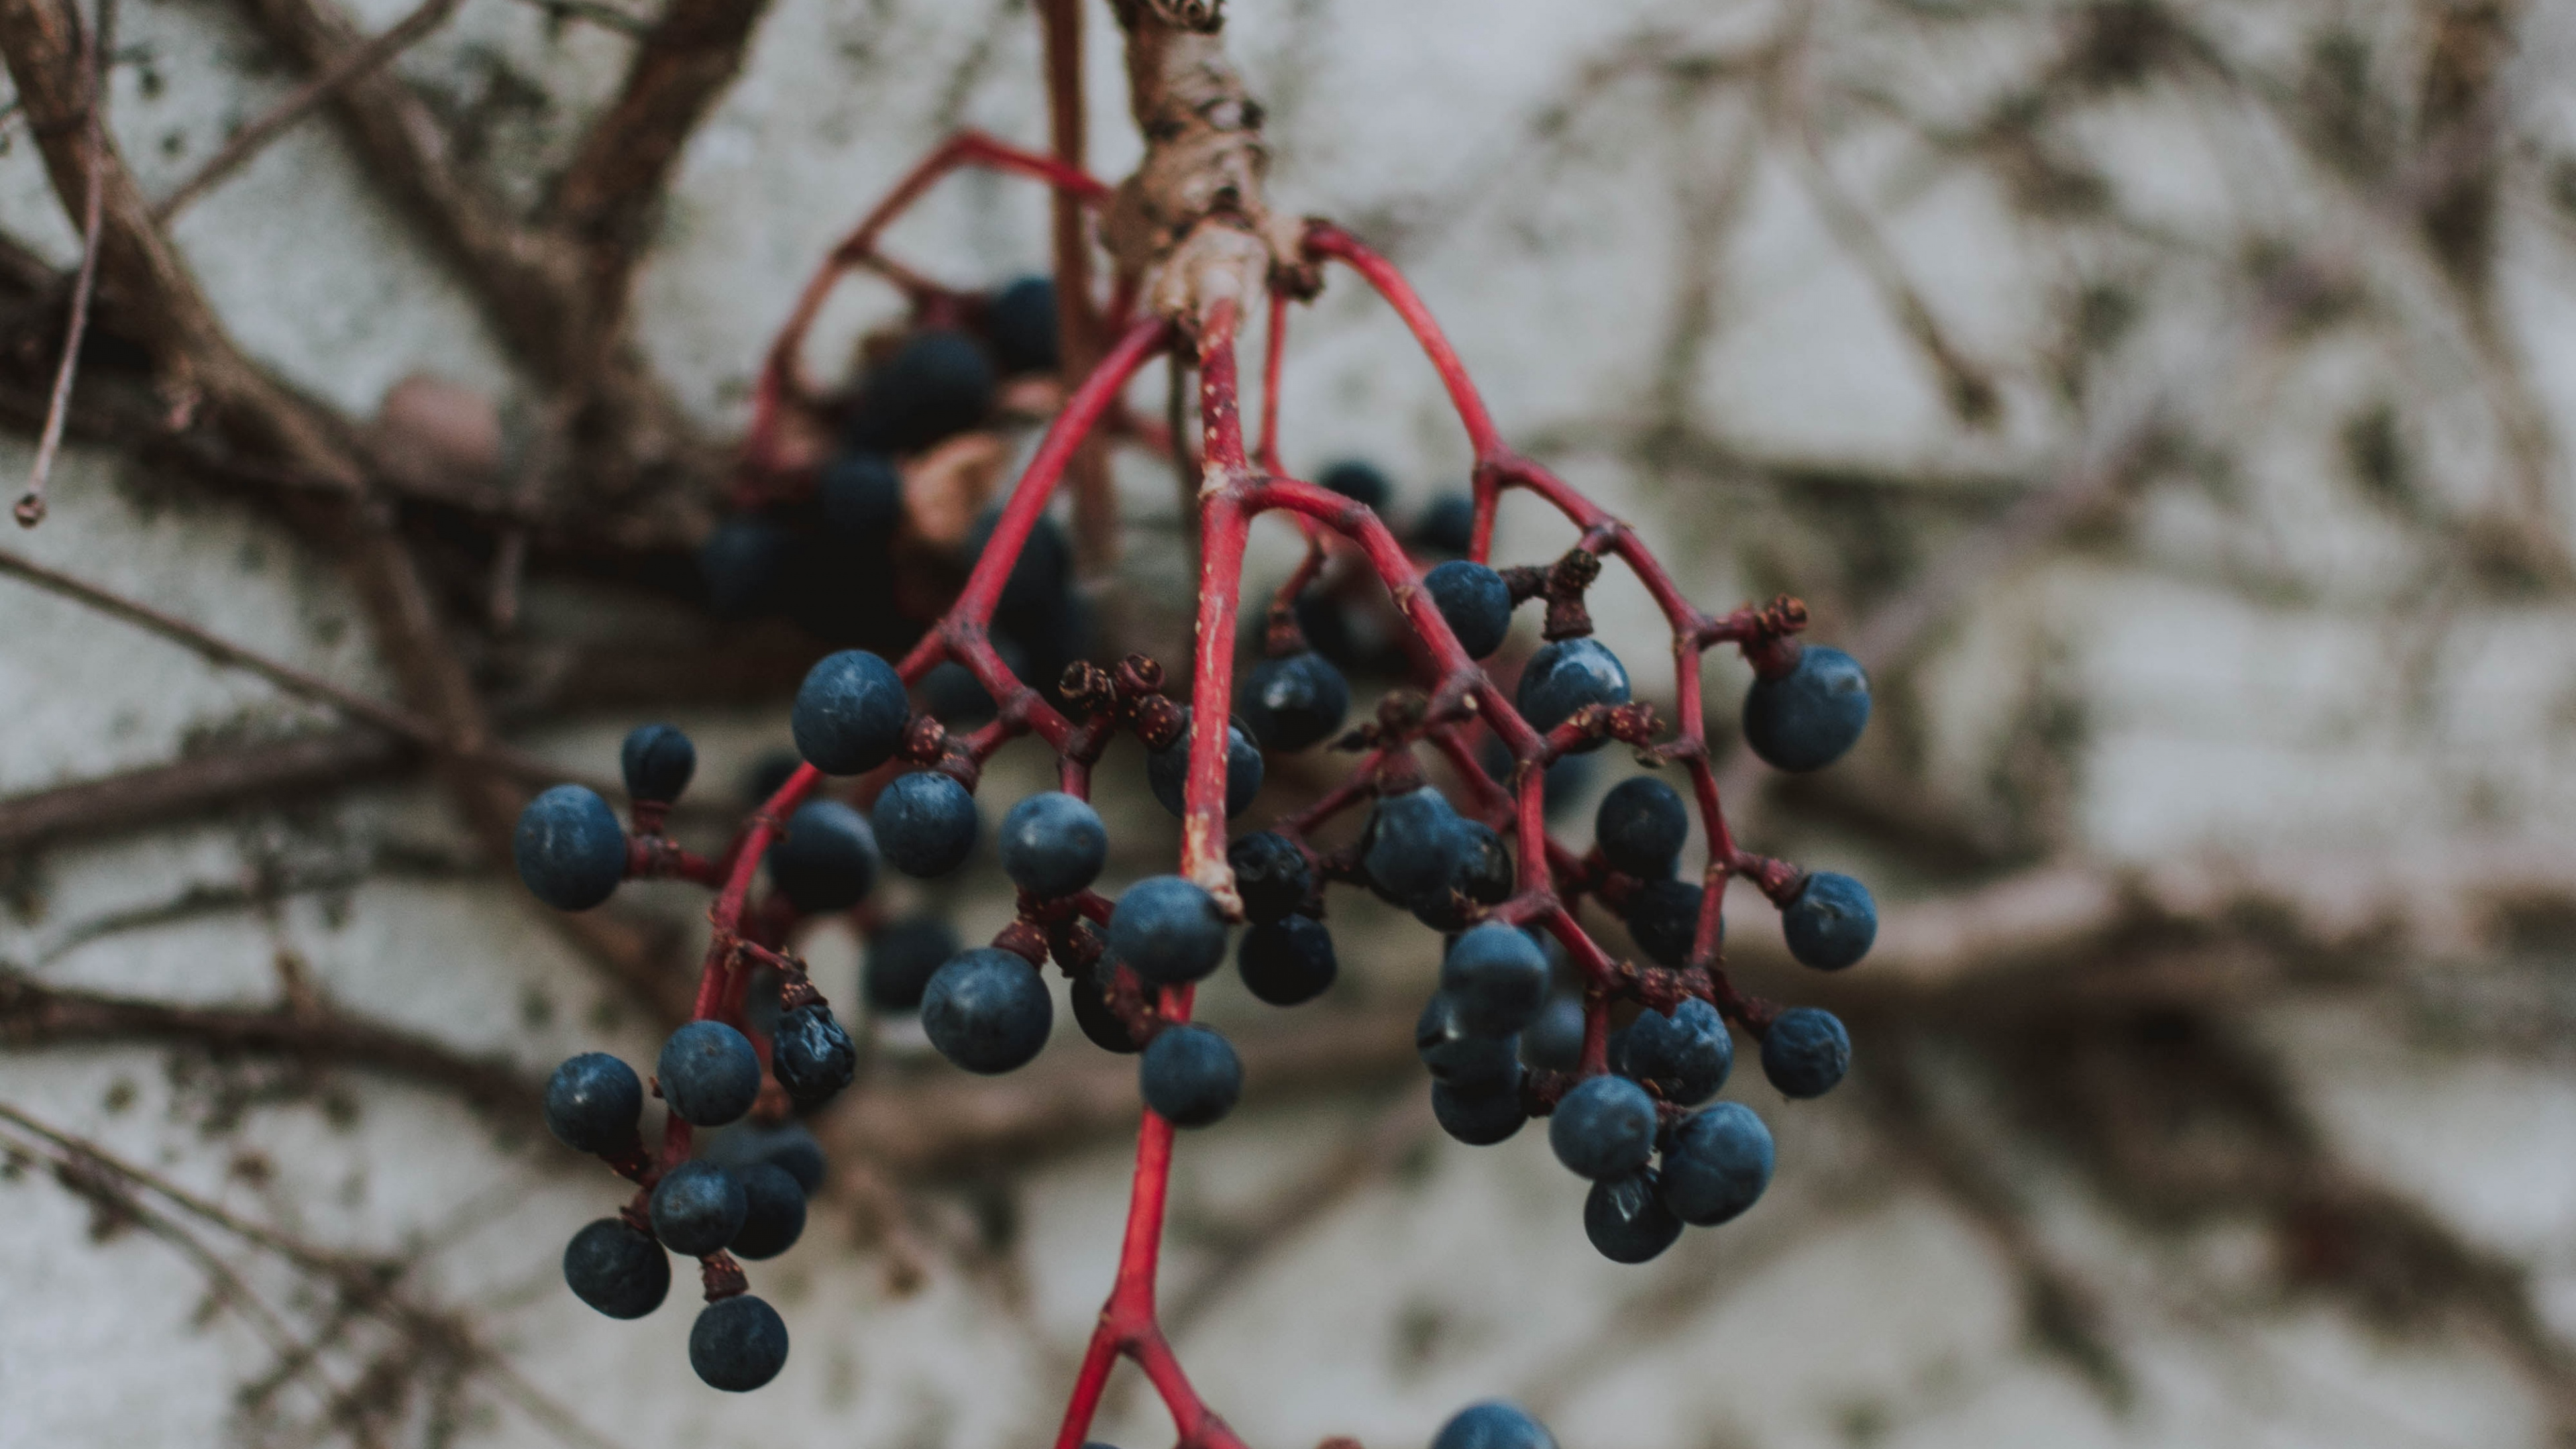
column 2110, row 367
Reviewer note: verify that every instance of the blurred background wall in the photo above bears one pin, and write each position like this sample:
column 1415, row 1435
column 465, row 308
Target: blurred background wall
column 2168, row 400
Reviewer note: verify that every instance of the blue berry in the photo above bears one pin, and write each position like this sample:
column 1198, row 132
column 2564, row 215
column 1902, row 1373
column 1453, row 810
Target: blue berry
column 901, row 958
column 773, row 1212
column 987, row 1011
column 657, row 761
column 1041, row 578
column 738, row 1344
column 1448, row 526
column 1603, row 1128
column 1498, row 978
column 616, row 1269
column 925, row 823
column 1287, row 961
column 1686, row 1055
column 789, row 1147
column 1493, row 1424
column 1294, row 701
column 742, row 562
column 1271, row 875
column 1716, row 1164
column 592, row 1102
column 1554, row 1042
column 1831, row 922
column 697, row 1208
column 1641, row 826
column 1359, row 481
column 1806, row 1052
column 937, row 385
column 1566, row 676
column 1091, row 1012
column 1481, row 875
column 769, row 773
column 1626, row 1219
column 1167, row 930
column 849, row 713
column 1806, row 718
column 1663, row 919
column 1190, row 1075
column 1167, row 770
column 827, row 858
column 862, row 496
column 1411, row 845
column 1053, row 844
column 1479, row 1117
column 952, row 694
column 1475, row 601
column 812, row 1055
column 708, row 1073
column 1461, row 1058
column 569, row 848
column 1021, row 320
column 1564, row 782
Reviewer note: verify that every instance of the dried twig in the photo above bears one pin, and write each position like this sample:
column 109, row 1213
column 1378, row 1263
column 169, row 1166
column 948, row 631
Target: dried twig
column 196, row 784
column 30, row 508
column 250, row 139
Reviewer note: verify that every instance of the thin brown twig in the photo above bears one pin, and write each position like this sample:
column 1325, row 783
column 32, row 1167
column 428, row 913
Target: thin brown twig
column 196, row 784
column 249, row 140
column 30, row 508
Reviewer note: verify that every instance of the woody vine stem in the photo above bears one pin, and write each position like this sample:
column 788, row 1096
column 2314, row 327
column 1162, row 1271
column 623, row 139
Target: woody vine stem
column 1194, row 249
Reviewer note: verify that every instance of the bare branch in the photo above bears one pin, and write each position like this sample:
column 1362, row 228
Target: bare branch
column 30, row 509
column 195, row 785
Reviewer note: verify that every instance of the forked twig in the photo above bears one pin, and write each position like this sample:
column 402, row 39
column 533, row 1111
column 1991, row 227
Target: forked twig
column 30, row 508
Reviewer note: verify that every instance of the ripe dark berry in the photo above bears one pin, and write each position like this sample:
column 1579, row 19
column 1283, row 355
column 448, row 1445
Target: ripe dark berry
column 955, row 697
column 790, row 1147
column 768, row 773
column 925, row 823
column 657, row 761
column 1448, row 526
column 1716, row 1164
column 1482, row 875
column 901, row 958
column 1167, row 930
column 1807, row 718
column 1461, row 1058
column 1626, row 1219
column 1020, row 320
column 1554, row 1041
column 738, row 1344
column 773, row 1212
column 1411, row 845
column 1361, row 481
column 938, row 385
column 1686, row 1055
column 987, row 1011
column 1806, row 1052
column 1190, row 1075
column 1287, row 961
column 849, row 713
column 1053, row 844
column 1294, row 701
column 697, row 1208
column 742, row 562
column 592, row 1101
column 1271, row 875
column 862, row 496
column 1091, row 1012
column 826, row 860
column 1564, row 782
column 1640, row 827
column 1566, row 676
column 812, row 1055
column 570, row 851
column 1831, row 922
column 1041, row 578
column 1498, row 978
column 1663, row 918
column 1479, row 1117
column 1475, row 601
column 1167, row 770
column 1603, row 1128
column 1493, row 1425
column 617, row 1270
column 708, row 1073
